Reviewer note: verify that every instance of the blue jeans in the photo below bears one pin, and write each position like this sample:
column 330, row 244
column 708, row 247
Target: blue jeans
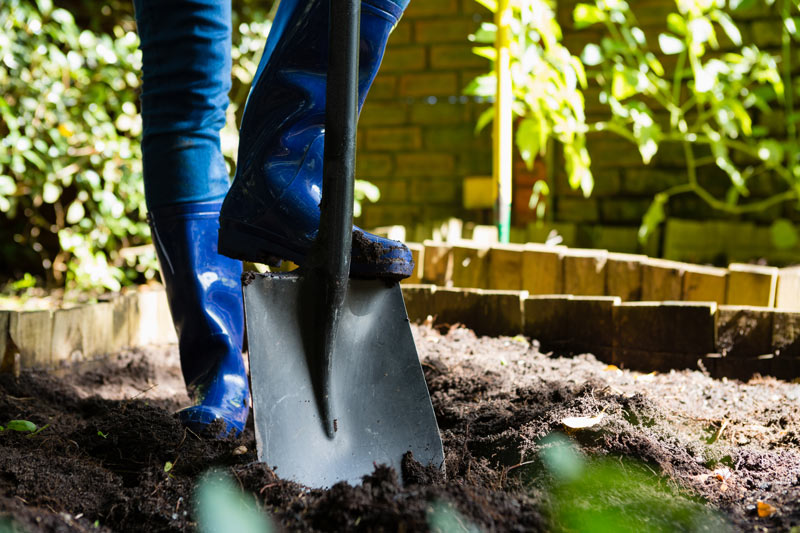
column 186, row 77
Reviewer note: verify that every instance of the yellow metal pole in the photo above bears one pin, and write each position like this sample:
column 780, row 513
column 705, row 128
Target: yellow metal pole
column 503, row 122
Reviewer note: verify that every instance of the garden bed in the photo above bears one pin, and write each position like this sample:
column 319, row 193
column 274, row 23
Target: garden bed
column 676, row 451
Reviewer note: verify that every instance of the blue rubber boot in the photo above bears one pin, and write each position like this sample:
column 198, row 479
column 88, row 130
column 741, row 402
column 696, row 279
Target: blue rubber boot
column 272, row 209
column 205, row 297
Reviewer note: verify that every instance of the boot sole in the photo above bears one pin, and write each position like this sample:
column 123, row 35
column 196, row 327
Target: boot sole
column 247, row 243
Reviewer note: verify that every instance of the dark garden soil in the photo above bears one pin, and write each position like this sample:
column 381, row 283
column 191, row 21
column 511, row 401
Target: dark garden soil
column 667, row 452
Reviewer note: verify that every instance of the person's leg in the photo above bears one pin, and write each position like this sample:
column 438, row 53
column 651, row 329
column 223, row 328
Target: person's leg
column 186, row 78
column 186, row 66
column 273, row 206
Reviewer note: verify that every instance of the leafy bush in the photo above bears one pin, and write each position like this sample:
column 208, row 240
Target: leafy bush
column 70, row 162
column 710, row 100
column 707, row 104
column 547, row 82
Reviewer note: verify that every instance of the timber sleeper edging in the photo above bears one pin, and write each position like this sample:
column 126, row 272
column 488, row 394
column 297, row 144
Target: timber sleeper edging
column 725, row 341
column 730, row 341
column 555, row 269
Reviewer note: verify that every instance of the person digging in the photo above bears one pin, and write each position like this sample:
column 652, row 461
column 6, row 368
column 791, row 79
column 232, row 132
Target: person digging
column 271, row 210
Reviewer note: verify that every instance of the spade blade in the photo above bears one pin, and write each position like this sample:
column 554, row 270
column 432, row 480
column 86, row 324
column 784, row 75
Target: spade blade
column 378, row 391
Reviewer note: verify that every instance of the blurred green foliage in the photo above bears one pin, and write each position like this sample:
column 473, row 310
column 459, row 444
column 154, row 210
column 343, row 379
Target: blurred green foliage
column 715, row 100
column 70, row 191
column 547, row 83
column 616, row 495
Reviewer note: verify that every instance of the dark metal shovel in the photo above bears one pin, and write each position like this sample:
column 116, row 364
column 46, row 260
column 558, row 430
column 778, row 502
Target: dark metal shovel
column 337, row 383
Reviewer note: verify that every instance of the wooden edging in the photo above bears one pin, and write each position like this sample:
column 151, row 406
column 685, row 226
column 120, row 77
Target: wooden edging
column 543, row 270
column 730, row 341
column 54, row 338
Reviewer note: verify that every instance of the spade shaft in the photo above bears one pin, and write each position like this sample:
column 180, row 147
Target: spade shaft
column 330, row 262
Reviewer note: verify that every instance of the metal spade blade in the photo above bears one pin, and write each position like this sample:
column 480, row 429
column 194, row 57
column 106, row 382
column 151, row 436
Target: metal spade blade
column 377, row 389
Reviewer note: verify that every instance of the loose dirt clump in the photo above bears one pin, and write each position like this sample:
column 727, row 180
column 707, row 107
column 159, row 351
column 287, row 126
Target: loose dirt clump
column 533, row 442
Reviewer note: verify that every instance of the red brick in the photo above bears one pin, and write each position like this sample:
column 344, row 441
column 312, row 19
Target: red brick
column 381, row 113
column 430, row 191
column 402, row 33
column 440, row 113
column 454, row 56
column 392, row 191
column 448, row 30
column 425, row 164
column 429, row 84
column 426, row 8
column 371, row 165
column 384, row 86
column 404, row 58
column 401, row 138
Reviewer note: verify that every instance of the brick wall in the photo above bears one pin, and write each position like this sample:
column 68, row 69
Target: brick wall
column 416, row 132
column 417, row 144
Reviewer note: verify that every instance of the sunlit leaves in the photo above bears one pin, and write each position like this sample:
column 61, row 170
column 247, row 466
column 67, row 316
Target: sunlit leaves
column 528, row 141
column 70, row 145
column 653, row 218
column 585, row 15
column 670, row 44
column 547, row 81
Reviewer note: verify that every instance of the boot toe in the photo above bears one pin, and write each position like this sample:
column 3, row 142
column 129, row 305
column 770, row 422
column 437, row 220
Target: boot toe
column 378, row 257
column 204, row 418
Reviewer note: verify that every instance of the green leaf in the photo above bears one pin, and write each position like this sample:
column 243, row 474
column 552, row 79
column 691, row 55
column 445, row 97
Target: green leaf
column 168, row 466
column 485, row 85
column 592, row 55
column 741, row 5
column 729, row 27
column 487, row 33
column 670, row 44
column 489, row 52
column 491, row 5
column 784, row 234
column 702, row 31
column 7, row 186
column 21, row 425
column 484, row 119
column 45, row 6
column 527, row 140
column 585, row 15
column 222, row 506
column 654, row 216
column 623, row 84
column 51, row 193
column 75, row 212
column 676, row 24
column 771, row 152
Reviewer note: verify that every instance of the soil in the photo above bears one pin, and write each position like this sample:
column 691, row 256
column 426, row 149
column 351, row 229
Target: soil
column 658, row 452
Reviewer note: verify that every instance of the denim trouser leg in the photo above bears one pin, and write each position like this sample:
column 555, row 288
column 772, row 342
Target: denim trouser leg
column 186, row 64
